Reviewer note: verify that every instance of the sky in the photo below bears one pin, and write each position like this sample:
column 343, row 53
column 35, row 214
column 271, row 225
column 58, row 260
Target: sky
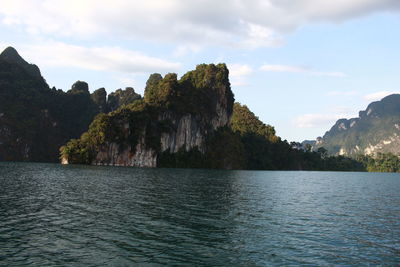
column 299, row 65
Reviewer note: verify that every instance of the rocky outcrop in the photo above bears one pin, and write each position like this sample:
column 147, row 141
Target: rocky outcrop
column 376, row 130
column 11, row 56
column 121, row 97
column 175, row 115
column 110, row 154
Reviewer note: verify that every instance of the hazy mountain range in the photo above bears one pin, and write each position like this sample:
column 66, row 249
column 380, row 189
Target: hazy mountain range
column 375, row 130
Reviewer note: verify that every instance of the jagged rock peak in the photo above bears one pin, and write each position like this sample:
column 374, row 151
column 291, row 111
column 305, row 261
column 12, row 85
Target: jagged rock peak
column 205, row 90
column 122, row 97
column 11, row 55
column 10, row 52
column 79, row 87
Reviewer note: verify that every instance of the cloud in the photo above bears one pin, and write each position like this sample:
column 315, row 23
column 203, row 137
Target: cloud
column 343, row 111
column 239, row 83
column 125, row 81
column 57, row 54
column 238, row 74
column 317, row 120
column 239, row 70
column 324, row 120
column 234, row 23
column 183, row 50
column 282, row 68
column 299, row 69
column 379, row 95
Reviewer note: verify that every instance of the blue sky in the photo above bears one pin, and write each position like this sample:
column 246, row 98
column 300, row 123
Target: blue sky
column 299, row 65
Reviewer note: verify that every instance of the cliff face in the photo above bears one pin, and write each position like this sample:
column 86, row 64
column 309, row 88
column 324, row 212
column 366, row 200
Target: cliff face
column 23, row 113
column 111, row 154
column 175, row 115
column 189, row 132
column 377, row 129
column 36, row 120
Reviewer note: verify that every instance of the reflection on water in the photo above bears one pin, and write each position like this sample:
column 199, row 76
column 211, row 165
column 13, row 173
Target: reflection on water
column 67, row 215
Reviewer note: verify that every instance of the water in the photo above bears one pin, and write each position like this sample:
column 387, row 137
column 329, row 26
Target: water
column 94, row 216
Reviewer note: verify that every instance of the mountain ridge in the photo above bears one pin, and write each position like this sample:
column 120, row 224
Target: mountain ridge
column 35, row 120
column 376, row 130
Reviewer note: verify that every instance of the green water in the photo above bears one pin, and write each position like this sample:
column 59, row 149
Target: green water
column 53, row 215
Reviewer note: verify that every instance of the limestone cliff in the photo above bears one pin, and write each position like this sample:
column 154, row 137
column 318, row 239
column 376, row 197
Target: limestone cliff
column 376, row 130
column 175, row 115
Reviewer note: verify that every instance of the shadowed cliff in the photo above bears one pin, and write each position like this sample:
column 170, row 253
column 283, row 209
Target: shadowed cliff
column 36, row 120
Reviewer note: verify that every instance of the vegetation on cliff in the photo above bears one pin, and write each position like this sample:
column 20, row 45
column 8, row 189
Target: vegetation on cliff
column 376, row 130
column 124, row 126
column 195, row 93
column 372, row 139
column 266, row 151
column 243, row 143
column 36, row 120
column 121, row 98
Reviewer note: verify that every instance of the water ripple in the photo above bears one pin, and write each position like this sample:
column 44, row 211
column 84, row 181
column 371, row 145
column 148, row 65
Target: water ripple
column 82, row 215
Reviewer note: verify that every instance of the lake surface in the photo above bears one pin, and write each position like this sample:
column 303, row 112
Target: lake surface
column 100, row 216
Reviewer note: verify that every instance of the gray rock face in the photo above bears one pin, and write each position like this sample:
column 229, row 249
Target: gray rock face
column 189, row 132
column 112, row 155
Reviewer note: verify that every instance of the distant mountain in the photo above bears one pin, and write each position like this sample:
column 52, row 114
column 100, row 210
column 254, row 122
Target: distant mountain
column 377, row 129
column 36, row 120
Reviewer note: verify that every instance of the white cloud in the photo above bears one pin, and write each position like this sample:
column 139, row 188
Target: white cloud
column 379, row 95
column 258, row 36
column 317, row 120
column 183, row 50
column 282, row 68
column 239, row 70
column 239, row 83
column 327, row 119
column 238, row 74
column 126, row 81
column 237, row 23
column 57, row 54
column 343, row 111
column 300, row 69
